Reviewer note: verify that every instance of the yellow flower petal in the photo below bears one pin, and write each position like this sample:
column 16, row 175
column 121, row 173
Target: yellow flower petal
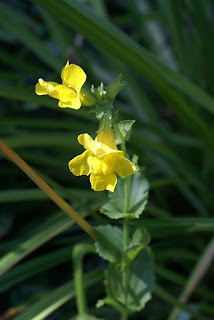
column 100, row 182
column 104, row 166
column 87, row 142
column 73, row 104
column 40, row 91
column 79, row 165
column 65, row 94
column 109, row 160
column 105, row 142
column 43, row 87
column 124, row 167
column 73, row 76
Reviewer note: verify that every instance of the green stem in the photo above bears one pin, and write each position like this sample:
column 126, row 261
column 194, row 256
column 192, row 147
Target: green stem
column 78, row 254
column 117, row 306
column 127, row 193
column 105, row 123
column 123, row 146
column 126, row 271
column 126, row 233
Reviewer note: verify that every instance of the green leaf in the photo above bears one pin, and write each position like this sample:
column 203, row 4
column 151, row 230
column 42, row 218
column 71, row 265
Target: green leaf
column 139, row 194
column 123, row 130
column 140, row 285
column 140, row 240
column 139, row 187
column 109, row 243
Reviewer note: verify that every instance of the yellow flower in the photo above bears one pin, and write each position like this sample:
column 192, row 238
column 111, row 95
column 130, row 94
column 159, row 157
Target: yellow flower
column 69, row 92
column 102, row 160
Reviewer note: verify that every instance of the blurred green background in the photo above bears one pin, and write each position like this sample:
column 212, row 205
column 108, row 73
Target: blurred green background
column 164, row 49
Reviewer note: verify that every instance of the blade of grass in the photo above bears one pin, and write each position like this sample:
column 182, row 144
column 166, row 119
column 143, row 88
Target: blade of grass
column 175, row 27
column 24, row 93
column 20, row 195
column 18, row 63
column 33, row 267
column 108, row 38
column 180, row 280
column 60, row 202
column 47, row 124
column 203, row 31
column 175, row 160
column 37, row 237
column 190, row 224
column 43, row 140
column 51, row 302
column 149, row 24
column 27, row 38
column 164, row 295
column 196, row 275
column 57, row 33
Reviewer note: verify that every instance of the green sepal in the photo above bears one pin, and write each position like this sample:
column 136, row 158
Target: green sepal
column 138, row 196
column 114, row 87
column 141, row 282
column 96, row 109
column 141, row 239
column 109, row 243
column 123, row 130
column 87, row 98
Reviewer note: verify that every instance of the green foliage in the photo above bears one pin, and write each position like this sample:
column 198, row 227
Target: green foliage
column 114, row 87
column 140, row 282
column 38, row 236
column 164, row 51
column 141, row 238
column 123, row 130
column 55, row 299
column 109, row 243
column 129, row 280
column 138, row 196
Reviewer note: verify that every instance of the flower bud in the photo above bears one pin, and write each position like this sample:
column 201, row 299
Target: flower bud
column 114, row 87
column 100, row 92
